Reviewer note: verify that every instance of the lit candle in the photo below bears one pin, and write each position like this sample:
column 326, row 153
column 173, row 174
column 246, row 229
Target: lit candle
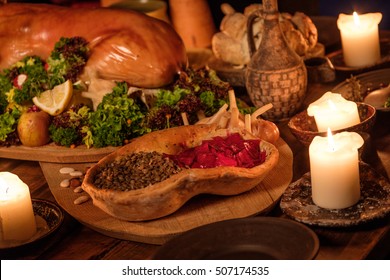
column 17, row 218
column 333, row 111
column 360, row 38
column 334, row 169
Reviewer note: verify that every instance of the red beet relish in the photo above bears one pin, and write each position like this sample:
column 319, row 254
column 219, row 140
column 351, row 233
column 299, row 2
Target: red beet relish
column 232, row 150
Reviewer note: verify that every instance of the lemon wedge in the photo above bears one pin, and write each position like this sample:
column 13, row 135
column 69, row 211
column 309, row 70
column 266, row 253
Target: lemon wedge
column 56, row 100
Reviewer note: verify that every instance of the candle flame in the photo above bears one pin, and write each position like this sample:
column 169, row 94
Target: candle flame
column 356, row 18
column 331, row 144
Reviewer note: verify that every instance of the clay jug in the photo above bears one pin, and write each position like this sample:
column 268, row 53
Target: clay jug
column 275, row 73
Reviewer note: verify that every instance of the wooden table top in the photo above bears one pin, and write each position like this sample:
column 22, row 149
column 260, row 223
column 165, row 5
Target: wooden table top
column 74, row 241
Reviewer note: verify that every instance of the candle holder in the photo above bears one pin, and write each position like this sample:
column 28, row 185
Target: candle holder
column 369, row 88
column 374, row 203
column 304, row 127
column 48, row 218
column 345, row 71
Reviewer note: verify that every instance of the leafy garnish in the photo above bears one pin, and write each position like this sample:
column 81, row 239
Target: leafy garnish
column 117, row 119
column 194, row 91
column 387, row 103
column 67, row 60
column 33, row 67
column 67, row 129
column 355, row 92
column 8, row 123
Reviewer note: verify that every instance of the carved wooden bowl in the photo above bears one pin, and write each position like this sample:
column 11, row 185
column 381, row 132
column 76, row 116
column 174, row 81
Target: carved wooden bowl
column 166, row 197
column 304, row 127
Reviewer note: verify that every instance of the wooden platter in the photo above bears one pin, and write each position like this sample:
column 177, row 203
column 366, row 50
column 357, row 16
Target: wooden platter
column 54, row 153
column 201, row 210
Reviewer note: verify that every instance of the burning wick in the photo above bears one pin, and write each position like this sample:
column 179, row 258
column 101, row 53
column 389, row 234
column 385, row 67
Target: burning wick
column 331, row 145
column 356, row 18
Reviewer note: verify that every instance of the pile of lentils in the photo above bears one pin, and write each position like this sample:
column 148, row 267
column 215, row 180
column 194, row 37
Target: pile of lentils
column 135, row 171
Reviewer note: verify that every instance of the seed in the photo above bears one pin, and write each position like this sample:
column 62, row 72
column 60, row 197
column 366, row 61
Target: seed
column 76, row 173
column 135, row 171
column 81, row 199
column 74, row 182
column 66, row 170
column 65, row 183
column 78, row 190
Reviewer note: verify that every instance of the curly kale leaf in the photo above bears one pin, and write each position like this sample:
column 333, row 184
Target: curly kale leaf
column 118, row 118
column 67, row 129
column 211, row 103
column 193, row 92
column 8, row 123
column 5, row 86
column 387, row 103
column 36, row 82
column 63, row 136
column 171, row 98
column 67, row 60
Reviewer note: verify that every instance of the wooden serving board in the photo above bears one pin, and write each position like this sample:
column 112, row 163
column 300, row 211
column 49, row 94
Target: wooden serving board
column 54, row 153
column 201, row 210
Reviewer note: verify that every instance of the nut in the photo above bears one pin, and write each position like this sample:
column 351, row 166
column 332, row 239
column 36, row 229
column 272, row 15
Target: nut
column 66, row 170
column 81, row 199
column 75, row 182
column 65, row 183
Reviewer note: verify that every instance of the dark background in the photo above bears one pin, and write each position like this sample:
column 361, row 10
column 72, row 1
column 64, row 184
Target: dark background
column 310, row 7
column 315, row 8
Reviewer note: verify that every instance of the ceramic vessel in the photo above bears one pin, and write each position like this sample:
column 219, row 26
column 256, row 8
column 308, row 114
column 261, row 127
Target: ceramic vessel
column 275, row 73
column 304, row 127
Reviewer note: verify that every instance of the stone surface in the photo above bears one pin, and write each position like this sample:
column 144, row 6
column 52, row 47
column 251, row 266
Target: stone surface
column 374, row 203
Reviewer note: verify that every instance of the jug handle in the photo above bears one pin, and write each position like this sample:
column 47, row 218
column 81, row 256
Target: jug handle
column 249, row 26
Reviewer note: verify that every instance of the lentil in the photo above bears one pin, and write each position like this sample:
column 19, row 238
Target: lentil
column 135, row 171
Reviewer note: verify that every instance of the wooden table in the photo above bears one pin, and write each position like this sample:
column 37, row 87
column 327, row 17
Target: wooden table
column 74, row 241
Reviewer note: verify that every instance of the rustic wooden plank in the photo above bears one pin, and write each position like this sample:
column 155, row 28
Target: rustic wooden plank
column 201, row 210
column 54, row 153
column 352, row 243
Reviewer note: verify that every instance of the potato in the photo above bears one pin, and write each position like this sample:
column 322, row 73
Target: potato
column 33, row 128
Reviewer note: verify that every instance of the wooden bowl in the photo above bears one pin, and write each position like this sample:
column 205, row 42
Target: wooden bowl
column 304, row 127
column 164, row 198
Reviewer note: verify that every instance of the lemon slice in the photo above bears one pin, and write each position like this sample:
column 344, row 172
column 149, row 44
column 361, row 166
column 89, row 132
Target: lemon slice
column 56, row 100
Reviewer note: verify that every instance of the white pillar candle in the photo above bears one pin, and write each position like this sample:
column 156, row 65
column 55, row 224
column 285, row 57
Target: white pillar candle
column 17, row 218
column 334, row 169
column 333, row 111
column 360, row 38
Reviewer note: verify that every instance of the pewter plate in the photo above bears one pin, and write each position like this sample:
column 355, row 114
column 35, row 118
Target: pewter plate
column 374, row 203
column 255, row 238
column 49, row 217
column 368, row 83
column 337, row 60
